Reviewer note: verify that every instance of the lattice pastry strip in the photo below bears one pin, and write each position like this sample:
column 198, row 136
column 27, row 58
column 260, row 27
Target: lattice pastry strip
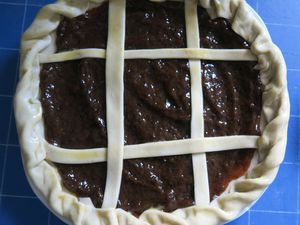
column 153, row 149
column 201, row 186
column 116, row 151
column 163, row 53
column 115, row 100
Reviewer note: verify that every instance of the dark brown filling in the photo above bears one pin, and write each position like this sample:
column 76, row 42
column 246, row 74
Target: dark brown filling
column 157, row 105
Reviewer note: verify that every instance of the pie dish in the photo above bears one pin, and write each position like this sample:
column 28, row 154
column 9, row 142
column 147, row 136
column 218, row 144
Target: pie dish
column 150, row 112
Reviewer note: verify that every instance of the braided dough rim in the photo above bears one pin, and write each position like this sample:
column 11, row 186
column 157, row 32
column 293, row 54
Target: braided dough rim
column 44, row 178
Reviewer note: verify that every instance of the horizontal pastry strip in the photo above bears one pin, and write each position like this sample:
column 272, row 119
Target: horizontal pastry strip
column 163, row 53
column 153, row 149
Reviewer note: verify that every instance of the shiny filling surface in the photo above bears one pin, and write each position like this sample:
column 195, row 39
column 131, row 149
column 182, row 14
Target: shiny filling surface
column 157, row 105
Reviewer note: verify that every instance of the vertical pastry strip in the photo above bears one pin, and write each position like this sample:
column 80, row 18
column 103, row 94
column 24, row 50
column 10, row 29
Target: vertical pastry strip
column 114, row 101
column 201, row 188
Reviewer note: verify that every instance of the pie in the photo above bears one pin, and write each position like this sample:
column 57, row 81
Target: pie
column 150, row 112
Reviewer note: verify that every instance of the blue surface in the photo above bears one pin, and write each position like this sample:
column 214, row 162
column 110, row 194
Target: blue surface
column 19, row 206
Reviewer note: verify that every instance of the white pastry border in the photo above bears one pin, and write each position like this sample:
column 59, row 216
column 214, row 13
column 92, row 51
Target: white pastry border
column 271, row 145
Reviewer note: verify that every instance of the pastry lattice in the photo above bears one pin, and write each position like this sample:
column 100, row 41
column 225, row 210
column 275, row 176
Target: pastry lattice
column 115, row 152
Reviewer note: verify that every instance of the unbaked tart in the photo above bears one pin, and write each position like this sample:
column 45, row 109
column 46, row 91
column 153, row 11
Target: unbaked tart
column 150, row 112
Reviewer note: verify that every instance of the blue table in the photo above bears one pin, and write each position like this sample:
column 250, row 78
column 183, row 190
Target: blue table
column 280, row 205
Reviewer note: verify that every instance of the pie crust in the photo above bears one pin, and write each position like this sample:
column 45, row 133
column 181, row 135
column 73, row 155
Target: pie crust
column 38, row 47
